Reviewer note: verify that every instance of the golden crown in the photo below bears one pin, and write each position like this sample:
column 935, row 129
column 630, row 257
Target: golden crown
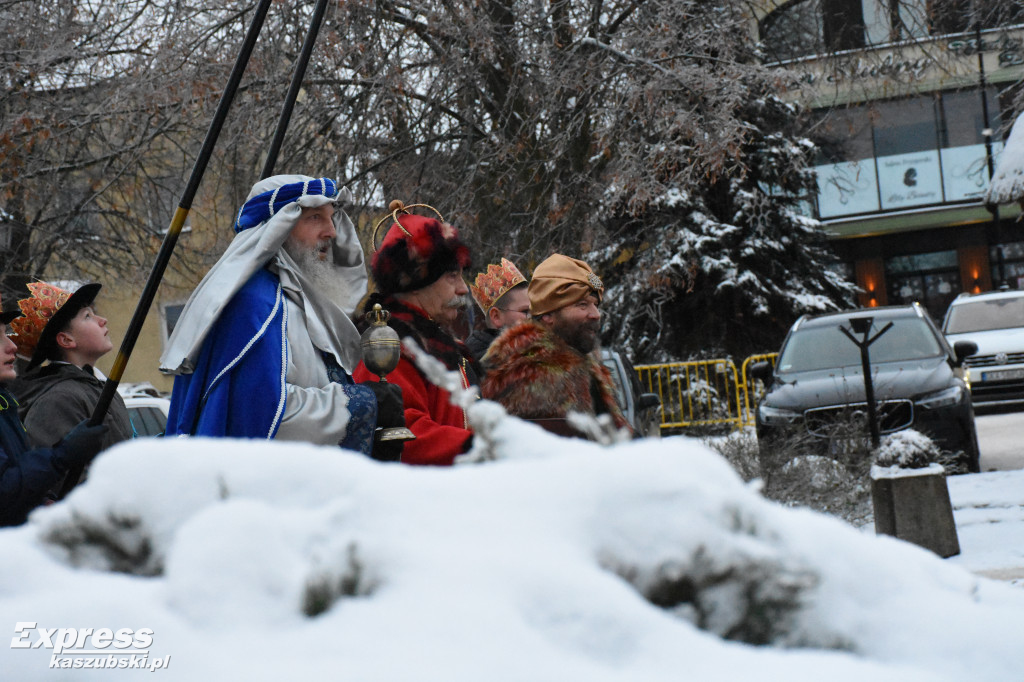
column 37, row 309
column 491, row 285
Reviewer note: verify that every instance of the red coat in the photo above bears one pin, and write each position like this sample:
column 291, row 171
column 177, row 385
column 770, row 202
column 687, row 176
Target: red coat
column 440, row 427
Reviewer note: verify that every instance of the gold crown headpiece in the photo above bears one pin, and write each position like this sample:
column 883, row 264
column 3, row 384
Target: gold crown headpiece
column 491, row 285
column 37, row 310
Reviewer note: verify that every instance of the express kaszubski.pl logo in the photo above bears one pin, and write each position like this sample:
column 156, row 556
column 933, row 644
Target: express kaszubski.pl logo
column 90, row 647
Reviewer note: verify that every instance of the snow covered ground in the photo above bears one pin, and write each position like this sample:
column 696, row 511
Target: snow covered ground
column 989, row 513
column 544, row 559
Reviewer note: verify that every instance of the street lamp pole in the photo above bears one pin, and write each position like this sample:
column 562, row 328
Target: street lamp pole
column 989, row 157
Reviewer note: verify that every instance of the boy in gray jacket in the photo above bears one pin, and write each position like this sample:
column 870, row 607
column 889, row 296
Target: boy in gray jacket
column 63, row 330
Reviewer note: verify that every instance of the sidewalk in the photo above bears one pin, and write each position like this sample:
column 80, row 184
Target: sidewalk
column 989, row 512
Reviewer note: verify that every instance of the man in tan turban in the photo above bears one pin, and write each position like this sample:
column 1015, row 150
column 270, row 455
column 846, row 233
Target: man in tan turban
column 544, row 368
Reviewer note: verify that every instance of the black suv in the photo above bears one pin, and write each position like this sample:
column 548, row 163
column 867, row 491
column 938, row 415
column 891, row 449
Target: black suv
column 817, row 394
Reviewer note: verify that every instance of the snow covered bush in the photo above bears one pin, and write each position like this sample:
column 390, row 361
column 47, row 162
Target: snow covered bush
column 787, row 474
column 722, row 266
column 837, row 483
column 907, row 449
column 547, row 559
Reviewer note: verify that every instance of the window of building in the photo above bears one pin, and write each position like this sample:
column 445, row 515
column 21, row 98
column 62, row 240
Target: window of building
column 806, row 27
column 949, row 16
column 847, row 182
column 809, row 27
column 1007, row 261
column 961, row 16
column 899, row 154
column 842, row 24
column 844, row 135
column 965, row 161
column 171, row 313
column 903, row 126
column 961, row 116
column 793, row 30
column 931, row 279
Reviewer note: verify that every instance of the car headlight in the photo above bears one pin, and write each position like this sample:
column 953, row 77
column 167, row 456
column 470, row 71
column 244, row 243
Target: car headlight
column 777, row 415
column 947, row 396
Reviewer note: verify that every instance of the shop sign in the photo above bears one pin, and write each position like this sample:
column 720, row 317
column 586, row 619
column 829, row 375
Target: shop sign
column 847, row 188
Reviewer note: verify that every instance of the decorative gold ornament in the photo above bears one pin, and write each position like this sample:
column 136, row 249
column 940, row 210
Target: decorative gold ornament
column 397, row 206
column 382, row 349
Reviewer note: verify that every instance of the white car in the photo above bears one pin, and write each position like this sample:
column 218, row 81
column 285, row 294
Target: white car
column 995, row 321
column 147, row 409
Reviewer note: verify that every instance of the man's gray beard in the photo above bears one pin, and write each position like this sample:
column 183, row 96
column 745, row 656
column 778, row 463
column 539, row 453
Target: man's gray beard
column 322, row 274
column 458, row 302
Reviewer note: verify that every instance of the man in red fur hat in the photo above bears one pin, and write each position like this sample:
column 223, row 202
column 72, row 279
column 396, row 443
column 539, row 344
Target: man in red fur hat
column 544, row 368
column 418, row 272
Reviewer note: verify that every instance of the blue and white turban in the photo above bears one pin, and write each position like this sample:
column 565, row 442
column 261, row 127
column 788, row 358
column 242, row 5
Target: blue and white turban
column 262, row 207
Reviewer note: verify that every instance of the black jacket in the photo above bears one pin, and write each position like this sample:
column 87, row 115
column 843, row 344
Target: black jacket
column 479, row 341
column 26, row 475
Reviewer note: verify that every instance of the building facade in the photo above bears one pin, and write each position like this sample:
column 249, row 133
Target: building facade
column 911, row 102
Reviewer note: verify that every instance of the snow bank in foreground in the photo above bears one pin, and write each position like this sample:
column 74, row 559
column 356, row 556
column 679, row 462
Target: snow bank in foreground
column 562, row 560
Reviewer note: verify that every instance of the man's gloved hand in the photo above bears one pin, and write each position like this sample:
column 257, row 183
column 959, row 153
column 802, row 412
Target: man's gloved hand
column 390, row 410
column 81, row 444
column 390, row 414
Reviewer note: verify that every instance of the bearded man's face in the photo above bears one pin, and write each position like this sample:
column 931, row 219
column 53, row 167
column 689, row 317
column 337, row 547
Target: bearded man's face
column 579, row 324
column 314, row 230
column 310, row 245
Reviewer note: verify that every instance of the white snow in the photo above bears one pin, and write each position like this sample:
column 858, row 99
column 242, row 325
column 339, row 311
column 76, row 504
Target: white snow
column 530, row 564
column 1008, row 176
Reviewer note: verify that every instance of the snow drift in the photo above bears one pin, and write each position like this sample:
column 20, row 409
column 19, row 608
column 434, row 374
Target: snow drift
column 553, row 560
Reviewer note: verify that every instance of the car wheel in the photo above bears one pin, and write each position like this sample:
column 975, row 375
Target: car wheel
column 970, row 456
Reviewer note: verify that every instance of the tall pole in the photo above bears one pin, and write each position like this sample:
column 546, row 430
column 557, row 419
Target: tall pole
column 171, row 238
column 987, row 133
column 293, row 89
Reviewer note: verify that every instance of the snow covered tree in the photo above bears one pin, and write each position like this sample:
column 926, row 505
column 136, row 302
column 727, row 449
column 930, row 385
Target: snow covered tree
column 724, row 265
column 566, row 127
column 534, row 127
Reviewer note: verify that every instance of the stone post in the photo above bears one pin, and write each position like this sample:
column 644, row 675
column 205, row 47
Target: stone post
column 913, row 505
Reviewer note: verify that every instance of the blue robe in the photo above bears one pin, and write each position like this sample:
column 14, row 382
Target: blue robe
column 238, row 388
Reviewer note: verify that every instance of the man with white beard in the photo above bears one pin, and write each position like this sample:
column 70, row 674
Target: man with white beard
column 265, row 346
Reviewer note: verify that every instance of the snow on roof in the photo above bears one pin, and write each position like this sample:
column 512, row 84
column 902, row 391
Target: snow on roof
column 1007, row 183
column 561, row 560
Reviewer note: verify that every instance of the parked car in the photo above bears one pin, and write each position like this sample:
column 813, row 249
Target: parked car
column 147, row 409
column 994, row 320
column 816, row 393
column 642, row 410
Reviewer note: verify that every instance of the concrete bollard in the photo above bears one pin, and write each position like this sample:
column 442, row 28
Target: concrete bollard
column 913, row 505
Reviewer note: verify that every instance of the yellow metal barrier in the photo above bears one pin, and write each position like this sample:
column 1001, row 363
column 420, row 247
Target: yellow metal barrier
column 753, row 390
column 703, row 392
